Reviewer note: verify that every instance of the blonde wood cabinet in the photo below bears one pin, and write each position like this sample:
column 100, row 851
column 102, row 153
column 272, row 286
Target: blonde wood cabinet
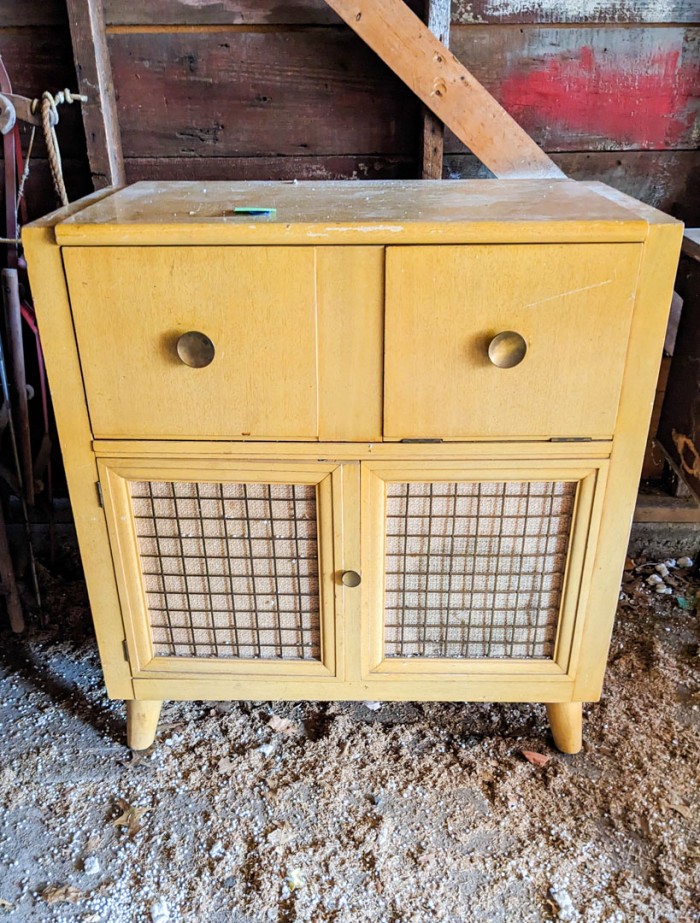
column 382, row 443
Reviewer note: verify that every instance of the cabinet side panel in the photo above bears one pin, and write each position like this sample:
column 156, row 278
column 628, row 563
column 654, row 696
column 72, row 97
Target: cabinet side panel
column 58, row 342
column 350, row 342
column 655, row 288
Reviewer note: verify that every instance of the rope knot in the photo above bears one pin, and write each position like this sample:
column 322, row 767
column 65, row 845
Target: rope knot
column 49, row 120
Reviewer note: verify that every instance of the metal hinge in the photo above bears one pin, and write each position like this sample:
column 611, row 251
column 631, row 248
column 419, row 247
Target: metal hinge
column 420, row 441
column 125, row 649
column 571, row 439
column 100, row 497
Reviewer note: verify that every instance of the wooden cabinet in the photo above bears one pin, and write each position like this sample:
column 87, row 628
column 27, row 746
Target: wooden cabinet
column 384, row 445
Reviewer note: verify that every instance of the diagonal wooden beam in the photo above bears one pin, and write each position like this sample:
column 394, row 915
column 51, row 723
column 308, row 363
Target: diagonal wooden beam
column 403, row 42
column 433, row 129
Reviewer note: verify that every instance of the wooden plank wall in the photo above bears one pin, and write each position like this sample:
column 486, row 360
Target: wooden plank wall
column 243, row 89
column 611, row 89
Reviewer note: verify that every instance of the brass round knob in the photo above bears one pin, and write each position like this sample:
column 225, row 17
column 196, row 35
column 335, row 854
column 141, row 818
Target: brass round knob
column 507, row 349
column 351, row 578
column 195, row 349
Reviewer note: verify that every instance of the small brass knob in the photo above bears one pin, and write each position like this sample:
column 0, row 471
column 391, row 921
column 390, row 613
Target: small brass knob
column 195, row 349
column 507, row 349
column 351, row 578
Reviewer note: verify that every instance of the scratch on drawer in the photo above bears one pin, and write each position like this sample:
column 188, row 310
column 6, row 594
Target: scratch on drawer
column 573, row 291
column 363, row 229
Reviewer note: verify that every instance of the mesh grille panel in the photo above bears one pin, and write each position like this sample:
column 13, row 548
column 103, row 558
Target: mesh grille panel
column 475, row 570
column 229, row 570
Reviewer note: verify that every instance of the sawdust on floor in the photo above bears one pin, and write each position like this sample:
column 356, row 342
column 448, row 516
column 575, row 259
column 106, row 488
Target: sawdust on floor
column 389, row 813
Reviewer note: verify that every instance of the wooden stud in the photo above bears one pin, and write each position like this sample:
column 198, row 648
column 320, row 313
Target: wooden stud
column 433, row 128
column 566, row 722
column 92, row 64
column 442, row 82
column 141, row 723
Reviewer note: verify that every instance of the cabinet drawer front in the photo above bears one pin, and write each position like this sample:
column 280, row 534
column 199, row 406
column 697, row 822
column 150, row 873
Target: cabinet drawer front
column 257, row 306
column 571, row 305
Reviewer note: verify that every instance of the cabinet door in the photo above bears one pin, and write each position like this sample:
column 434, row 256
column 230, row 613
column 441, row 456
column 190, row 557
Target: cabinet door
column 226, row 568
column 570, row 308
column 476, row 570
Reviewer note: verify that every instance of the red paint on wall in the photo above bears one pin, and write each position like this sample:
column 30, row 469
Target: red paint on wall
column 606, row 95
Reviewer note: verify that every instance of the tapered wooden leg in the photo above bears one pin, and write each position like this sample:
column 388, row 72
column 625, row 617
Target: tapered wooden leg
column 566, row 722
column 141, row 723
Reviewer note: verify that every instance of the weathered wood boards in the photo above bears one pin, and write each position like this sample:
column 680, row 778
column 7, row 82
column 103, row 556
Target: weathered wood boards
column 631, row 121
column 446, row 87
column 597, row 88
column 438, row 17
column 286, row 94
column 573, row 11
column 194, row 94
column 182, row 93
column 227, row 12
column 316, row 12
column 87, row 27
column 307, row 167
column 39, row 58
column 32, row 13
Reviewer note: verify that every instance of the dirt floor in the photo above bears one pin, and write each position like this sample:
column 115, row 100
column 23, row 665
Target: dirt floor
column 350, row 812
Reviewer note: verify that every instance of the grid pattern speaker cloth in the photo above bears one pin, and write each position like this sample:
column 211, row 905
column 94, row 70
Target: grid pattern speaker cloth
column 475, row 569
column 229, row 570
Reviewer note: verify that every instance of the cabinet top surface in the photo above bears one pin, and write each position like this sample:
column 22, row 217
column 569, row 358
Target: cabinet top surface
column 410, row 211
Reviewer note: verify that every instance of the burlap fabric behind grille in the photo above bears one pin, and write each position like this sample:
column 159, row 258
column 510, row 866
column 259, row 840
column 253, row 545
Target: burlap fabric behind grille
column 230, row 570
column 475, row 570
